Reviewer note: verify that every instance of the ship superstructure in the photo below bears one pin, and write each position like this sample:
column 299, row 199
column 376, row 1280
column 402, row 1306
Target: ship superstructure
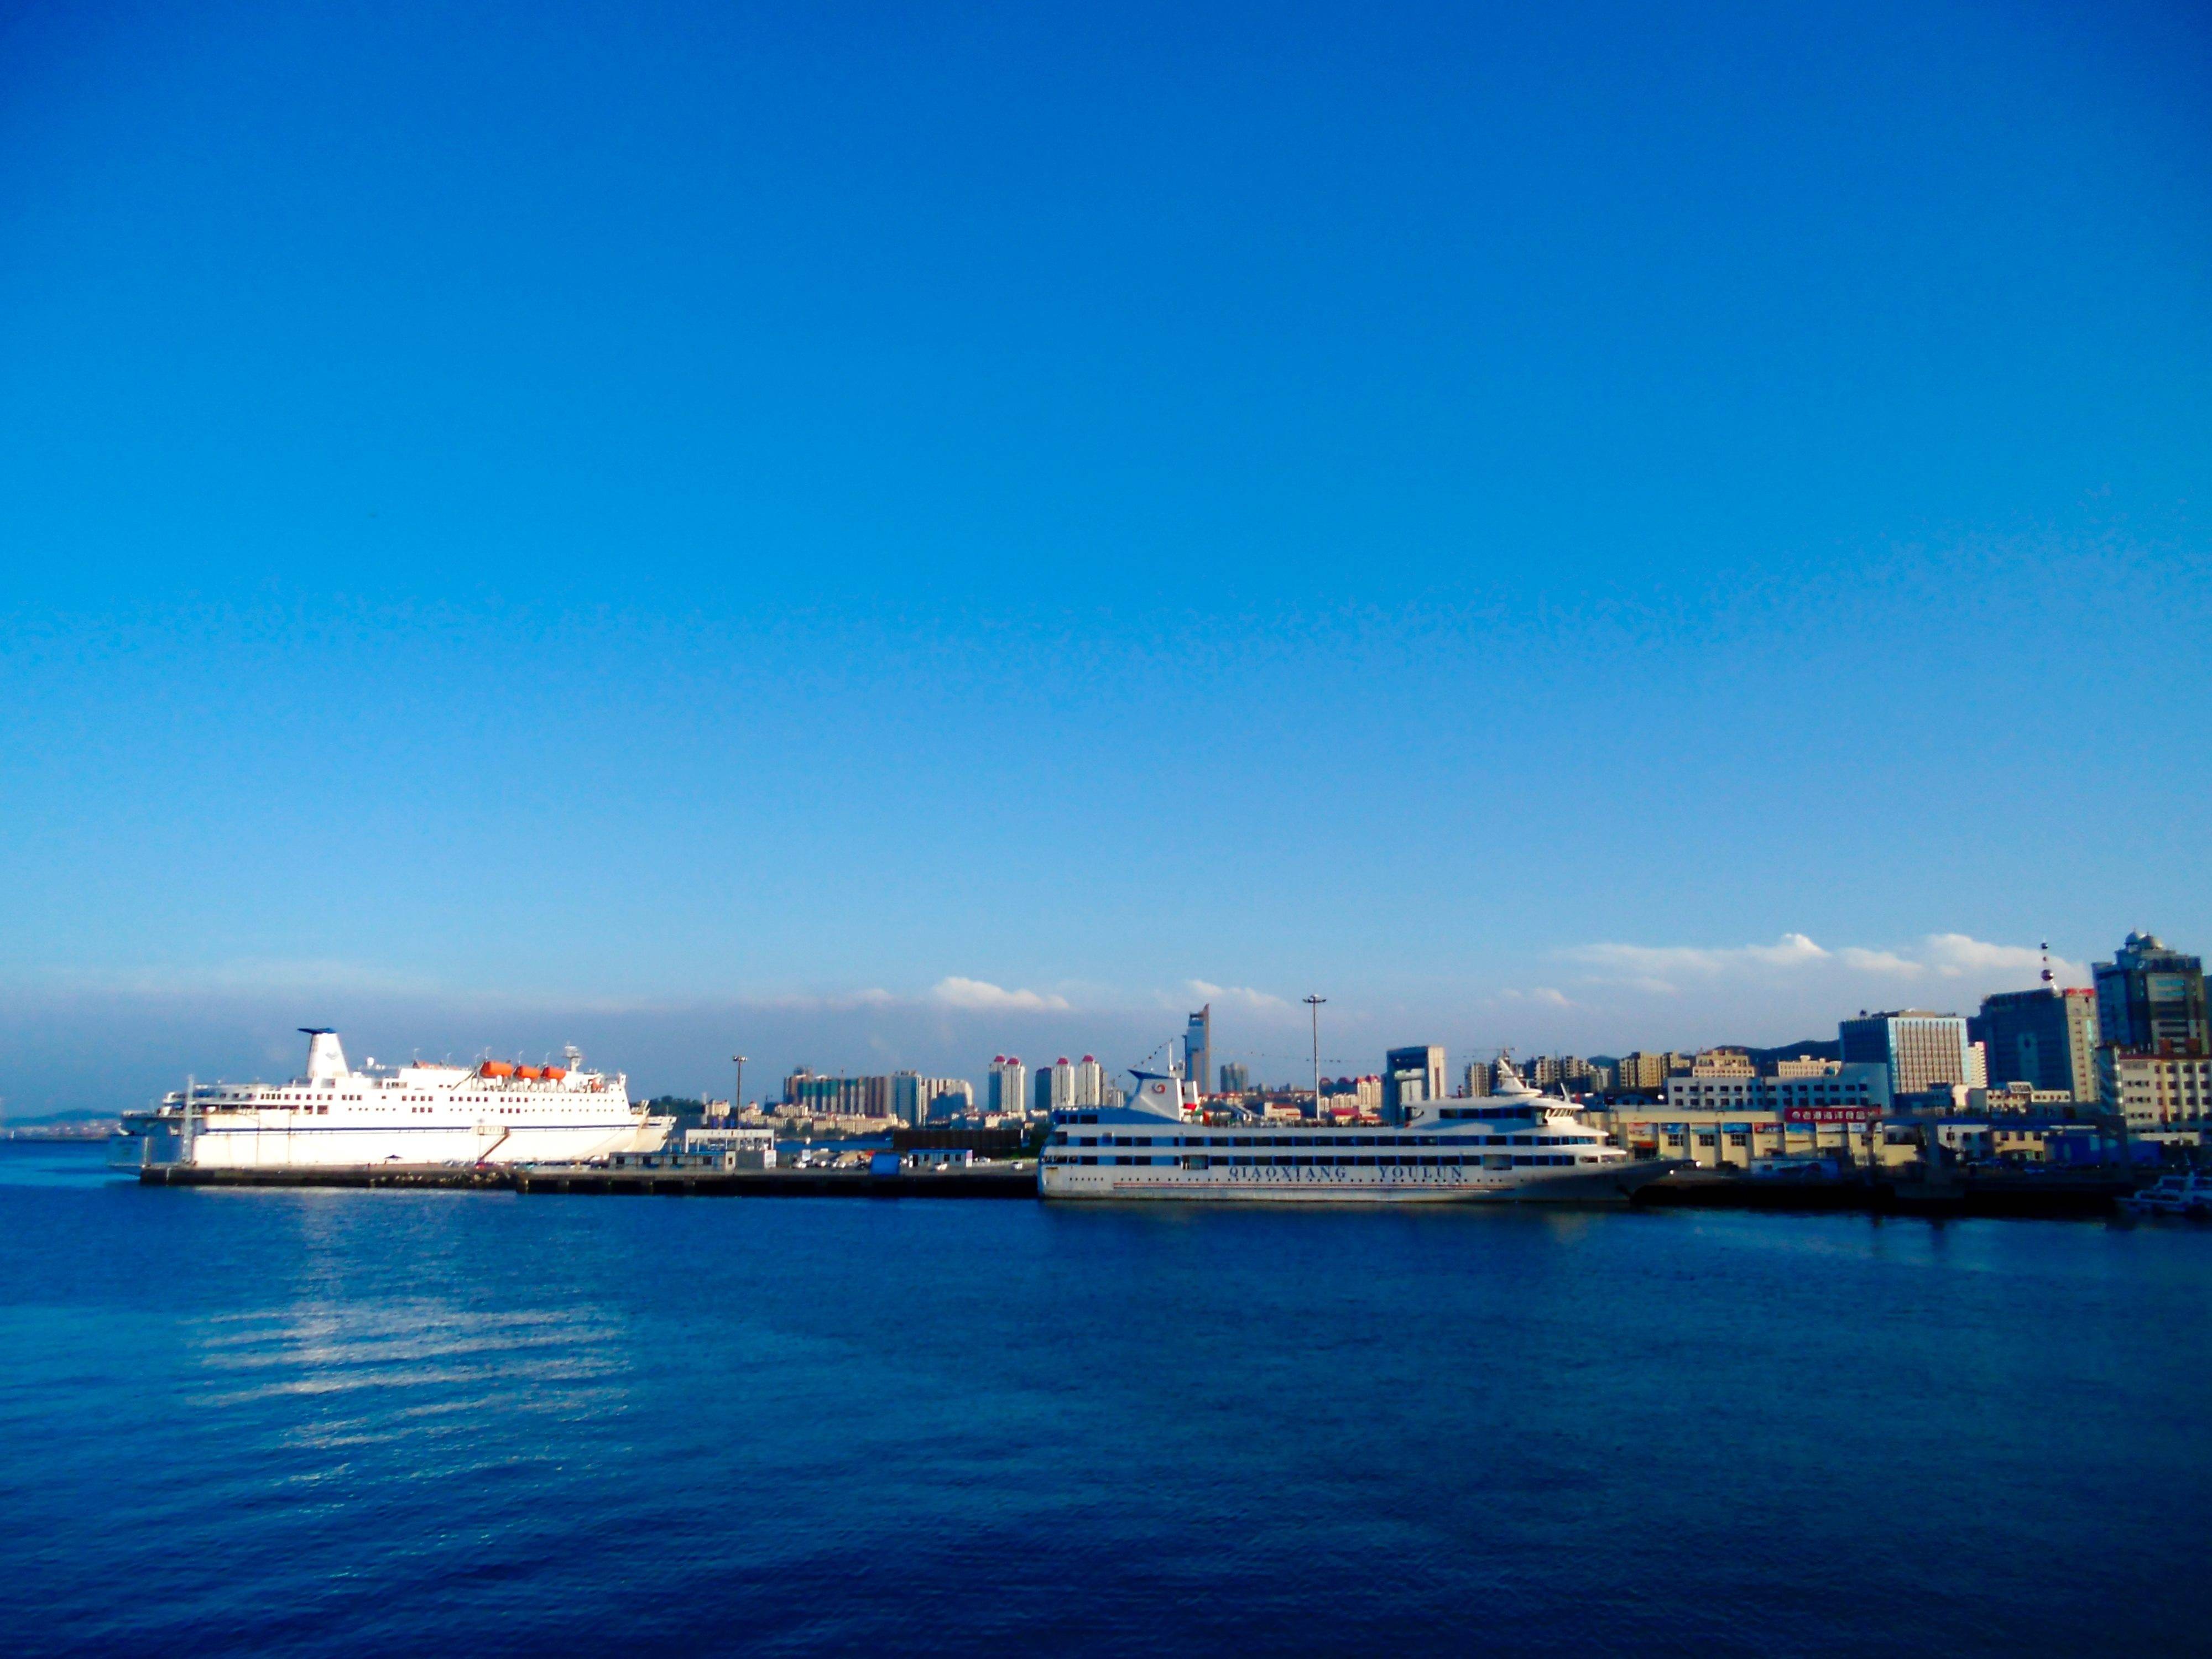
column 1513, row 1144
column 492, row 1112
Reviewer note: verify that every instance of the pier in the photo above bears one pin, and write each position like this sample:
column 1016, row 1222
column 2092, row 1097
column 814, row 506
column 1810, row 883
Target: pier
column 2027, row 1194
column 2024, row 1195
column 976, row 1181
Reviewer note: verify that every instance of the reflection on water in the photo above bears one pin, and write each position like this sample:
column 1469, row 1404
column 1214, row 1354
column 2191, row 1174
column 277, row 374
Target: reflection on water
column 408, row 1422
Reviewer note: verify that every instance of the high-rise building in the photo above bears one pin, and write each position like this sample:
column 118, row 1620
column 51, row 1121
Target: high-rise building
column 910, row 1098
column 1923, row 1050
column 1062, row 1093
column 1480, row 1077
column 1643, row 1073
column 1409, row 1077
column 2150, row 1001
column 839, row 1096
column 1007, row 1089
column 1197, row 1047
column 1236, row 1078
column 2045, row 1037
column 1090, row 1082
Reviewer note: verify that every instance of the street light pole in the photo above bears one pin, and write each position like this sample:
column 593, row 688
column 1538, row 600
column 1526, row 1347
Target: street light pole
column 1315, row 1004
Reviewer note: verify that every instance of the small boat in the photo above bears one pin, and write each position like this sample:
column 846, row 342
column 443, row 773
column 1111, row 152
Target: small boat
column 2188, row 1194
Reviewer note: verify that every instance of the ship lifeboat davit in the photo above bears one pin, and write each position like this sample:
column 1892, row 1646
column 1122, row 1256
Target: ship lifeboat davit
column 496, row 1068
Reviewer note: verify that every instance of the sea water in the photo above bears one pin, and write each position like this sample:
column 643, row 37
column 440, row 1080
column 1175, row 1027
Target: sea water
column 379, row 1423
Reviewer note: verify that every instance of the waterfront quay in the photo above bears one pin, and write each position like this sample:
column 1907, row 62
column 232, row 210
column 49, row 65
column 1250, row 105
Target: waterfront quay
column 2052, row 1196
column 2016, row 1193
column 683, row 1180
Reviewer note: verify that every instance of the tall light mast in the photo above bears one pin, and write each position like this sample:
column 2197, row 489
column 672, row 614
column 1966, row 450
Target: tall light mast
column 737, row 1095
column 1315, row 1004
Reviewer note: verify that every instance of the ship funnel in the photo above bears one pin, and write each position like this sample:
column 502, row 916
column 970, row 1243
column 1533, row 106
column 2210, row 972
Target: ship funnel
column 326, row 1061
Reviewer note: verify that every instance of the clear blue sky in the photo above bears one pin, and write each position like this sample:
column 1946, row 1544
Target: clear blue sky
column 721, row 524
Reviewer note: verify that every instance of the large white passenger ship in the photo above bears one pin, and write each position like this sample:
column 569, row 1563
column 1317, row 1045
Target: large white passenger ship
column 1513, row 1145
column 490, row 1113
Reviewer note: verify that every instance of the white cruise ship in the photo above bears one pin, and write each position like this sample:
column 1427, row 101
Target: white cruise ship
column 492, row 1112
column 1513, row 1146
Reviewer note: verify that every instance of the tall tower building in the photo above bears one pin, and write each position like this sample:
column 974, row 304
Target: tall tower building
column 1061, row 1094
column 1090, row 1082
column 911, row 1094
column 1197, row 1047
column 2150, row 1001
column 1007, row 1090
column 2045, row 1037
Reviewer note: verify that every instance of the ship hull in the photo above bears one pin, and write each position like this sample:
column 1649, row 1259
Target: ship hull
column 218, row 1146
column 1613, row 1182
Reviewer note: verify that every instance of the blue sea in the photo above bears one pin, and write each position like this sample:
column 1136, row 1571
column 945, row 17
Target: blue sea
column 382, row 1423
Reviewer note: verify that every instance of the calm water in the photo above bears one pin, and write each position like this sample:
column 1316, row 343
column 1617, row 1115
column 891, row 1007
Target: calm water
column 437, row 1422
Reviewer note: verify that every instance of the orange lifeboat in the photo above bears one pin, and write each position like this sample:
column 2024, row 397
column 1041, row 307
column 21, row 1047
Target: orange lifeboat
column 555, row 1073
column 527, row 1073
column 496, row 1068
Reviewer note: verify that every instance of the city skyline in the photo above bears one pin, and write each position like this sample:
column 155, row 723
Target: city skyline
column 679, row 1049
column 1579, row 529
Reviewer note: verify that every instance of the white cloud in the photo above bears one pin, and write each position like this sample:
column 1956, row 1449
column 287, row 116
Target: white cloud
column 982, row 996
column 834, row 1002
column 1956, row 955
column 1657, row 968
column 1543, row 993
column 1244, row 996
column 1663, row 962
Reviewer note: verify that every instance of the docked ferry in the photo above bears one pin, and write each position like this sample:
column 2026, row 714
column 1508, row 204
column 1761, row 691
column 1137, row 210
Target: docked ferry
column 493, row 1112
column 1514, row 1144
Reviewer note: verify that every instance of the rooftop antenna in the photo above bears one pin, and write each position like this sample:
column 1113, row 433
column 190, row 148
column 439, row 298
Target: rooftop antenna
column 2046, row 962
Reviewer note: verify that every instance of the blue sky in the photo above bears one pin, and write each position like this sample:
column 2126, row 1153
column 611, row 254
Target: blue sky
column 884, row 535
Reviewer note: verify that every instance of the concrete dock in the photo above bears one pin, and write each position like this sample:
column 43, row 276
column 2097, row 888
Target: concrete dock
column 977, row 1181
column 2025, row 1193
